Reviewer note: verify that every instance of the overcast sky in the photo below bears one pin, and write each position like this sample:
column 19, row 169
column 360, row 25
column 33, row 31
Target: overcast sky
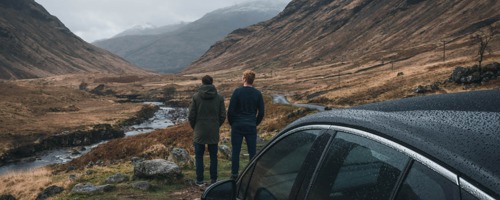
column 100, row 19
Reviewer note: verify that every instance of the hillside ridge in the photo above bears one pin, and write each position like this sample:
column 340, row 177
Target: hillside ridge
column 35, row 44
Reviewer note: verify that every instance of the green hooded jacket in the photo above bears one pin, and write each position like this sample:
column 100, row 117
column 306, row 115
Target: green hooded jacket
column 206, row 114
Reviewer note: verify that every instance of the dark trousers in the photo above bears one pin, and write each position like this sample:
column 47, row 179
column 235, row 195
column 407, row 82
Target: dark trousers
column 199, row 150
column 236, row 141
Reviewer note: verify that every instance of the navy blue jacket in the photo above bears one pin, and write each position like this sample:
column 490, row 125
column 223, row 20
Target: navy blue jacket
column 246, row 110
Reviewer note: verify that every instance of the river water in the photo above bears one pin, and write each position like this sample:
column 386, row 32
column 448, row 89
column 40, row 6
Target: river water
column 164, row 117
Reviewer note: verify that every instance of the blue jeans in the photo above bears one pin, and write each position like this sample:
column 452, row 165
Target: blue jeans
column 236, row 141
column 199, row 150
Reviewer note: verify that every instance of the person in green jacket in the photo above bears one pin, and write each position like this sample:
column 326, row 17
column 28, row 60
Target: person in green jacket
column 206, row 114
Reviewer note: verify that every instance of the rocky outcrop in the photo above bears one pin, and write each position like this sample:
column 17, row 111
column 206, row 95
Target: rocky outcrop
column 98, row 133
column 157, row 169
column 49, row 192
column 475, row 74
column 7, row 197
column 90, row 189
column 181, row 157
column 147, row 111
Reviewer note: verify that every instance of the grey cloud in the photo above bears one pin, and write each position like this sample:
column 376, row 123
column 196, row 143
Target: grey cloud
column 100, row 19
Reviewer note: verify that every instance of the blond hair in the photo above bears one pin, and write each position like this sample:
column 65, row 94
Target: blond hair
column 249, row 76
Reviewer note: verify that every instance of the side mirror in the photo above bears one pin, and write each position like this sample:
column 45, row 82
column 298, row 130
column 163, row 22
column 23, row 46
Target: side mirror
column 222, row 190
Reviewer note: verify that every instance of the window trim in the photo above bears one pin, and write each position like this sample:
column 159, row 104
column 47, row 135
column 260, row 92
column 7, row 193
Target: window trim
column 412, row 154
column 467, row 186
column 453, row 177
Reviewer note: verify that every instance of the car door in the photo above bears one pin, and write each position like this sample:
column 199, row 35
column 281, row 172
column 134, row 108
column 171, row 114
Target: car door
column 360, row 165
column 278, row 170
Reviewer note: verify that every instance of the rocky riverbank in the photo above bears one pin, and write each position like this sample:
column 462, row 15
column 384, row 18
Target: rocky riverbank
column 76, row 138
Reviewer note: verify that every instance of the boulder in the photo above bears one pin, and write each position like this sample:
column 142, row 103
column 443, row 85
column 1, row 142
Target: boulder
column 49, row 192
column 458, row 73
column 157, row 169
column 473, row 78
column 90, row 189
column 117, row 178
column 141, row 185
column 181, row 157
column 225, row 152
column 421, row 89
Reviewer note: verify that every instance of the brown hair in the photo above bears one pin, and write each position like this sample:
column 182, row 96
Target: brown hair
column 249, row 76
column 207, row 80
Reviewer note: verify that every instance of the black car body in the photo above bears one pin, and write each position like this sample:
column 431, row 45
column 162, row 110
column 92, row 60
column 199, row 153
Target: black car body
column 433, row 147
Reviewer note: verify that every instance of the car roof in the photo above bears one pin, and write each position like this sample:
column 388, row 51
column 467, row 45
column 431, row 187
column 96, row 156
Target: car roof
column 460, row 131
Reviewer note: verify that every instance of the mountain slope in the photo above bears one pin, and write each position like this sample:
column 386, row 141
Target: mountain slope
column 149, row 29
column 360, row 32
column 35, row 44
column 173, row 51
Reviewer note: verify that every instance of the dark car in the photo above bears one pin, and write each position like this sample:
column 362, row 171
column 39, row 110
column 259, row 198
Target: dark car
column 433, row 147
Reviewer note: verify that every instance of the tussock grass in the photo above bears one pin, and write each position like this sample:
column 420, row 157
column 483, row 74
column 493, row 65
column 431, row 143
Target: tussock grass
column 28, row 184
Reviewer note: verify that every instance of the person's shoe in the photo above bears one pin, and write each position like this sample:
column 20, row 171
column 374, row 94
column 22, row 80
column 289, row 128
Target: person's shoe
column 213, row 181
column 234, row 177
column 199, row 183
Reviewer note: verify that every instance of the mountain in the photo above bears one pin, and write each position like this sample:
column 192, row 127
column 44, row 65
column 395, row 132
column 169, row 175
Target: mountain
column 35, row 44
column 363, row 33
column 150, row 29
column 173, row 51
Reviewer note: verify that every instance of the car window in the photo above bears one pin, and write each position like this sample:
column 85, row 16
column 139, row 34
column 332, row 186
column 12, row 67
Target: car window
column 274, row 172
column 357, row 168
column 424, row 183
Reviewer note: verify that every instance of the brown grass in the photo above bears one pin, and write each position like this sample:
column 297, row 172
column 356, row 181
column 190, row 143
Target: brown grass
column 28, row 184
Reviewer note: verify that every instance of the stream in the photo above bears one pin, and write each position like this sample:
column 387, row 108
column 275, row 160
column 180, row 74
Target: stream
column 164, row 117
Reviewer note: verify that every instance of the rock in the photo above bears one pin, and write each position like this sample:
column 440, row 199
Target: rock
column 458, row 73
column 89, row 172
column 72, row 177
column 421, row 89
column 49, row 192
column 117, row 178
column 70, row 168
column 473, row 78
column 90, row 164
column 400, row 74
column 225, row 152
column 75, row 152
column 435, row 86
column 89, row 189
column 7, row 197
column 141, row 185
column 136, row 160
column 181, row 157
column 492, row 67
column 157, row 169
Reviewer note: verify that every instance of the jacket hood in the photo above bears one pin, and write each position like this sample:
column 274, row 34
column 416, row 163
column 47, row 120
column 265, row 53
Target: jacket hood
column 207, row 91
